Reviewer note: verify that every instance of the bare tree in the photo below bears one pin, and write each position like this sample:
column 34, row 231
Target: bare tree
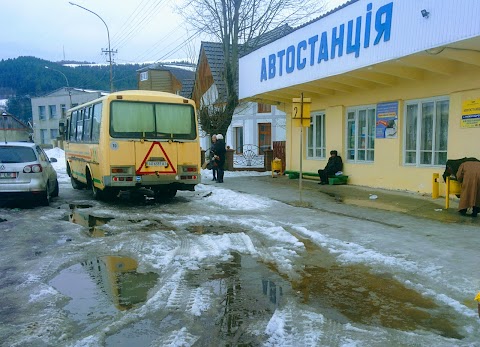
column 239, row 26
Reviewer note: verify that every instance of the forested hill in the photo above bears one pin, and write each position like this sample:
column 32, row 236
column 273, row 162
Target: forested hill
column 28, row 76
column 25, row 77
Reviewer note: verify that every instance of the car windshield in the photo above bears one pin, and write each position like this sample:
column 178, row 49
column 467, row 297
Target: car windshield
column 13, row 154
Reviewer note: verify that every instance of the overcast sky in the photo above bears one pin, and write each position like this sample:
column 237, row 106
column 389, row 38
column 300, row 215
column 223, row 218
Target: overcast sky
column 141, row 30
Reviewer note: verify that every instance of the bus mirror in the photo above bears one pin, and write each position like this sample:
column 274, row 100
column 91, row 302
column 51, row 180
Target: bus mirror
column 61, row 128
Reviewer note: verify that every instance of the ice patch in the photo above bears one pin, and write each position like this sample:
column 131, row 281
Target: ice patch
column 233, row 200
column 200, row 301
column 43, row 292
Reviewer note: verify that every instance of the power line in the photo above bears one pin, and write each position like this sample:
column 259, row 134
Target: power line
column 147, row 18
column 128, row 22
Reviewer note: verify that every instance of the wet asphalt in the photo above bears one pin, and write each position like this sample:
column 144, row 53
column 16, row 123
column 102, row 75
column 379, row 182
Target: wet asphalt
column 353, row 201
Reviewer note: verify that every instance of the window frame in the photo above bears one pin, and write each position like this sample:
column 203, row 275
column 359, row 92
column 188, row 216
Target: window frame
column 312, row 131
column 372, row 127
column 419, row 132
column 42, row 112
column 52, row 111
column 264, row 108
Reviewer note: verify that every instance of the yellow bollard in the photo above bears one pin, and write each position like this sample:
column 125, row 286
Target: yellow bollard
column 452, row 187
column 435, row 186
column 477, row 298
column 447, row 193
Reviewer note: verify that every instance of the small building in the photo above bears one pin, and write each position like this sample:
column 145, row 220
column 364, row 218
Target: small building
column 13, row 129
column 256, row 124
column 48, row 110
column 393, row 85
column 171, row 78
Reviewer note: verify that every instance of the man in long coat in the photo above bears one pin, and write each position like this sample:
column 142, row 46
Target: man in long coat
column 469, row 175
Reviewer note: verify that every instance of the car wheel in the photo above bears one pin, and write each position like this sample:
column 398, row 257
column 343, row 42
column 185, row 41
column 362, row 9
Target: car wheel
column 44, row 198
column 55, row 190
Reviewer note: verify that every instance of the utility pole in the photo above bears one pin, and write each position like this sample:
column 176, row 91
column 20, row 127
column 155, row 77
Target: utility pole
column 108, row 51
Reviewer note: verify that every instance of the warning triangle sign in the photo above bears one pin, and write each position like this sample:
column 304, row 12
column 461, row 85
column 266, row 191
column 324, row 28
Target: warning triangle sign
column 156, row 162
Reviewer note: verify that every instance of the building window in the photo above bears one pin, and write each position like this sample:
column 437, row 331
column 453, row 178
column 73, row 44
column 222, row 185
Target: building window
column 41, row 112
column 361, row 134
column 52, row 110
column 53, row 134
column 238, row 139
column 426, row 132
column 43, row 136
column 144, row 76
column 63, row 109
column 316, row 136
column 264, row 108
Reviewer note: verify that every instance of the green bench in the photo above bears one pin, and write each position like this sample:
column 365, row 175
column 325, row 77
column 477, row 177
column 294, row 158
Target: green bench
column 340, row 179
column 332, row 180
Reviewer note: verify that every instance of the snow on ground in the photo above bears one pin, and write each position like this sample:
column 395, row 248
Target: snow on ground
column 161, row 250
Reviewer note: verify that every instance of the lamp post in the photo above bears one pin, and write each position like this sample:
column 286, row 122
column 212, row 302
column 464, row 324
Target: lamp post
column 108, row 35
column 66, row 80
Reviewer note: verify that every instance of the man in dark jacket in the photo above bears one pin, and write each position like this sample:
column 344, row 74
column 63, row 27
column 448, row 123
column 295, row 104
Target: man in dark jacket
column 334, row 165
column 219, row 150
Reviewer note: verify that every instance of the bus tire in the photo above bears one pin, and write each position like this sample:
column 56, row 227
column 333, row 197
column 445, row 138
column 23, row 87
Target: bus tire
column 97, row 193
column 165, row 194
column 109, row 194
column 76, row 184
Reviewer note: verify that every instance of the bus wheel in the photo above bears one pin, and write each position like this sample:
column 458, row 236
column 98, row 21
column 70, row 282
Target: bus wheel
column 76, row 184
column 165, row 195
column 97, row 193
column 109, row 194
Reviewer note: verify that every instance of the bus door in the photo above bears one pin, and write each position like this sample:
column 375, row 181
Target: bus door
column 156, row 158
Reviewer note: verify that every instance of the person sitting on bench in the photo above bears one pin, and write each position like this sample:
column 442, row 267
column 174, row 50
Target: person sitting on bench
column 333, row 166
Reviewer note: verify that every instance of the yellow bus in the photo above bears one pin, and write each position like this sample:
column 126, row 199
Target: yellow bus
column 133, row 139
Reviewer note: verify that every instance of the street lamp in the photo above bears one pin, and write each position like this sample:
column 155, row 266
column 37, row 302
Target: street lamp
column 66, row 80
column 108, row 35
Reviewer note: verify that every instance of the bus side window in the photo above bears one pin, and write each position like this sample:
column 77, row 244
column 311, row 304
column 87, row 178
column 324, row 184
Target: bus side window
column 67, row 130
column 87, row 125
column 73, row 126
column 80, row 125
column 97, row 119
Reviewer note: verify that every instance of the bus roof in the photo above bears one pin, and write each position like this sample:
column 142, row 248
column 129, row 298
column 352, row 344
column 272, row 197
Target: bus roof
column 131, row 95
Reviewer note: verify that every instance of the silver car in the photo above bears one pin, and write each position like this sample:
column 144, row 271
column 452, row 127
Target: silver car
column 26, row 172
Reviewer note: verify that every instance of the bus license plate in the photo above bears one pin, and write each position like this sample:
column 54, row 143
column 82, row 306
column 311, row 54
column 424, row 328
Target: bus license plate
column 8, row 174
column 157, row 163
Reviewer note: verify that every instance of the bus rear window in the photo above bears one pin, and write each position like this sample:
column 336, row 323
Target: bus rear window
column 152, row 120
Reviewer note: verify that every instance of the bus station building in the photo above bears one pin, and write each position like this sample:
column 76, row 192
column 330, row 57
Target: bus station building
column 392, row 85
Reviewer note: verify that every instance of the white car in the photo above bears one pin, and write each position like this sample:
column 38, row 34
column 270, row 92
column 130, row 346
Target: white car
column 26, row 172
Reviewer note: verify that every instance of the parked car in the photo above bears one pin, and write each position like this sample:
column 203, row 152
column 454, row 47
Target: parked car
column 26, row 172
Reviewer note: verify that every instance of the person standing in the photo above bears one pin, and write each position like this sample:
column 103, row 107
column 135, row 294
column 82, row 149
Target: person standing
column 469, row 175
column 219, row 150
column 212, row 160
column 334, row 165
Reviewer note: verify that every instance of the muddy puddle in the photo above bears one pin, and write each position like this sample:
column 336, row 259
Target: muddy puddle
column 98, row 288
column 96, row 224
column 242, row 290
column 353, row 293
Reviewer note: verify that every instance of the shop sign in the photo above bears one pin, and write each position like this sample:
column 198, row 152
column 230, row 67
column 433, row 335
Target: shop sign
column 471, row 114
column 387, row 119
column 356, row 35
